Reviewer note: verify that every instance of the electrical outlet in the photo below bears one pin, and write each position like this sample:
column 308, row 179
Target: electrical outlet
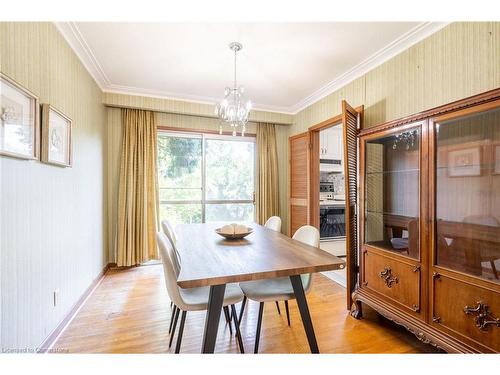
column 56, row 297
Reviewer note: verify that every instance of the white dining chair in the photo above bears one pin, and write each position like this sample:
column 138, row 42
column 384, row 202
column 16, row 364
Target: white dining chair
column 278, row 289
column 168, row 229
column 274, row 223
column 192, row 299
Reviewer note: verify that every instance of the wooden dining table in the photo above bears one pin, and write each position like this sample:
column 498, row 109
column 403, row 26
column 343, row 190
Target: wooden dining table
column 209, row 260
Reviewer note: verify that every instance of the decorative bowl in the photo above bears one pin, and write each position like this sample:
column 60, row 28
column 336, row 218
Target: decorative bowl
column 234, row 236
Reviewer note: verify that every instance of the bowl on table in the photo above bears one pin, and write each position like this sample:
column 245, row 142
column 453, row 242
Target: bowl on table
column 234, row 231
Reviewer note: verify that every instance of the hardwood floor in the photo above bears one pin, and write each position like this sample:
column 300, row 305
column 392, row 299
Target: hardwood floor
column 130, row 313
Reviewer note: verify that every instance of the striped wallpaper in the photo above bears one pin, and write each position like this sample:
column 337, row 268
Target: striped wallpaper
column 460, row 60
column 185, row 108
column 52, row 233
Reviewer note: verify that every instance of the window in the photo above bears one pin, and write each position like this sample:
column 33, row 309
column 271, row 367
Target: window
column 206, row 178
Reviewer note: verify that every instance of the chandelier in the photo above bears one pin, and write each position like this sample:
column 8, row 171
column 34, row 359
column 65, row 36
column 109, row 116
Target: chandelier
column 234, row 109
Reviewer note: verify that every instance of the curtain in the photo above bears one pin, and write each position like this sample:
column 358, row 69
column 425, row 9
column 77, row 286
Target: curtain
column 138, row 190
column 267, row 194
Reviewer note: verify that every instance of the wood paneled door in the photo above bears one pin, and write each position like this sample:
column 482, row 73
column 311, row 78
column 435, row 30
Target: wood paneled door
column 351, row 123
column 299, row 161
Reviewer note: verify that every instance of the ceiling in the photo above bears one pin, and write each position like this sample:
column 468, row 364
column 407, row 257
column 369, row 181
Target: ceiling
column 283, row 66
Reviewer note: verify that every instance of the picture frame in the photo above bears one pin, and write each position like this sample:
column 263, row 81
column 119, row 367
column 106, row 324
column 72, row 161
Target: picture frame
column 19, row 120
column 465, row 162
column 56, row 137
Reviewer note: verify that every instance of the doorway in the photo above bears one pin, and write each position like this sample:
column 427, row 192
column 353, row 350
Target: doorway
column 328, row 185
column 326, row 153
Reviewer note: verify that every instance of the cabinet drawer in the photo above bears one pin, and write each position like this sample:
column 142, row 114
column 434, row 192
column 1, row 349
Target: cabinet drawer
column 397, row 280
column 463, row 309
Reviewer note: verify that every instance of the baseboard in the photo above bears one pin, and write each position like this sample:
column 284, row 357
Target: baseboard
column 47, row 344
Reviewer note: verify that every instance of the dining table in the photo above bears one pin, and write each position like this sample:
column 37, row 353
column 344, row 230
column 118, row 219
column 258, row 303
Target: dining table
column 210, row 260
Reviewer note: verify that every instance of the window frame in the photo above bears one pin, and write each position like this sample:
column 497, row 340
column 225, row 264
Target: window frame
column 204, row 136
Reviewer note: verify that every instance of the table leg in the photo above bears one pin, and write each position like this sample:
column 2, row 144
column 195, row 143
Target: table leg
column 300, row 296
column 215, row 300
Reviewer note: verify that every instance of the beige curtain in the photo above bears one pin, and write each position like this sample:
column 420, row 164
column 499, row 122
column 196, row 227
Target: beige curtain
column 267, row 194
column 138, row 190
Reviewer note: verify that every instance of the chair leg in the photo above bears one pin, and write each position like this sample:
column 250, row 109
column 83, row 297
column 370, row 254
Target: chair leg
column 242, row 308
column 173, row 328
column 171, row 304
column 237, row 326
column 181, row 331
column 259, row 324
column 278, row 307
column 172, row 319
column 228, row 320
column 287, row 312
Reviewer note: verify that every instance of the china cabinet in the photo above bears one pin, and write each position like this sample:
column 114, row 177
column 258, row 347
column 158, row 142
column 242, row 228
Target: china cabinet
column 429, row 224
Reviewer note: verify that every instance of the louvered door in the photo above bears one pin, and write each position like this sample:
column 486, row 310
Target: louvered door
column 350, row 124
column 298, row 149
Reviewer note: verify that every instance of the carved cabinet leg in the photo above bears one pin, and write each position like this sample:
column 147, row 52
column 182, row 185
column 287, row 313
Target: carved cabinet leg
column 356, row 309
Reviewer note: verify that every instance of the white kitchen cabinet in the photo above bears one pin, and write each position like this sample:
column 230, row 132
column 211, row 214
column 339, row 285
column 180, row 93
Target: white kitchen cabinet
column 331, row 149
column 333, row 143
column 325, row 140
column 322, row 144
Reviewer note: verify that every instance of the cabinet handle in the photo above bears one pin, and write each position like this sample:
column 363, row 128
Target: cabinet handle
column 388, row 278
column 483, row 318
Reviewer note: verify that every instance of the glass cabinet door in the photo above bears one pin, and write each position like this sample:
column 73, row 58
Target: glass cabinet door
column 467, row 208
column 392, row 194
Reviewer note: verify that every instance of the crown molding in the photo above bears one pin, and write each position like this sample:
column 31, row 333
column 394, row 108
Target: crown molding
column 404, row 42
column 77, row 42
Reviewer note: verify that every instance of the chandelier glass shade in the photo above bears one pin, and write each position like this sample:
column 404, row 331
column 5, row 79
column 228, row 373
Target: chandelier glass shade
column 234, row 109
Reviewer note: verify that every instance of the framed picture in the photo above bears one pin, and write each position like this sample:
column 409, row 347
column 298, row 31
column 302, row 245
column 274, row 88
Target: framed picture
column 464, row 162
column 56, row 137
column 496, row 152
column 19, row 120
